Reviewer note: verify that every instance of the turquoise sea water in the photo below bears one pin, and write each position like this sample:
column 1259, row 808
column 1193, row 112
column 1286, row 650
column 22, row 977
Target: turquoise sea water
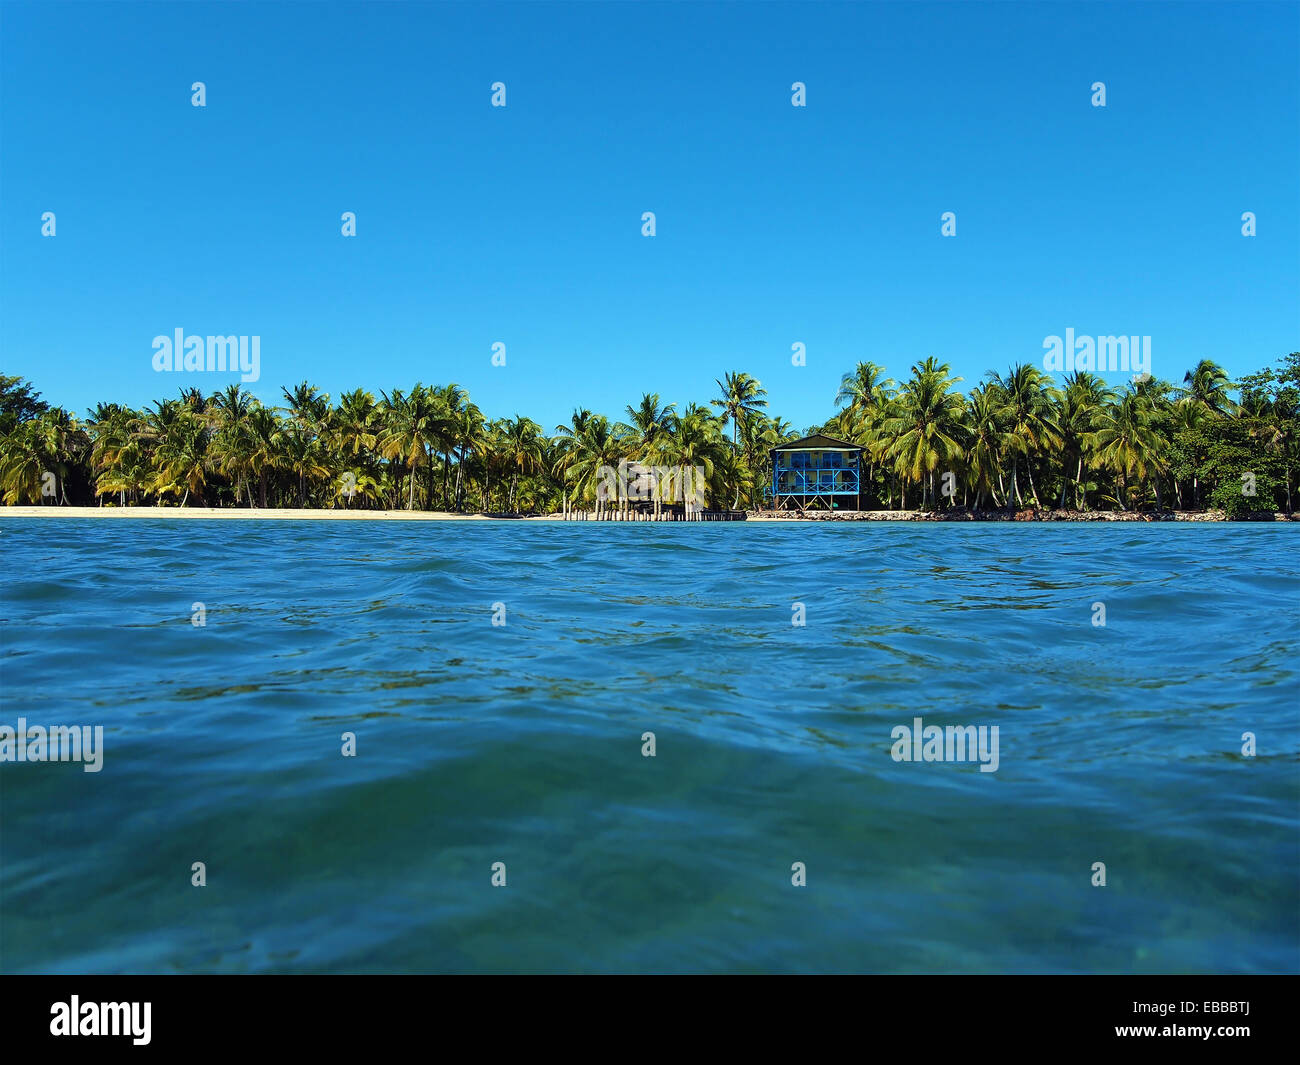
column 522, row 744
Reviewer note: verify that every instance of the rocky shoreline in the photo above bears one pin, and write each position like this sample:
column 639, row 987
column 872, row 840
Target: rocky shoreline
column 1030, row 514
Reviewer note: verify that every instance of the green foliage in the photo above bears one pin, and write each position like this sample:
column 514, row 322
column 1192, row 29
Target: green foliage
column 1017, row 439
column 18, row 403
column 1236, row 462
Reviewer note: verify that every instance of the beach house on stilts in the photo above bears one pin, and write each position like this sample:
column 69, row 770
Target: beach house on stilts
column 817, row 473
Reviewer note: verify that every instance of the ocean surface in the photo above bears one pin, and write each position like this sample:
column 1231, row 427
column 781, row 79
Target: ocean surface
column 522, row 744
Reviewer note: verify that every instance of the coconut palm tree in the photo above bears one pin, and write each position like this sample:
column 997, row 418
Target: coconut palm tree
column 567, row 449
column 469, row 437
column 22, row 464
column 646, row 433
column 354, row 424
column 230, row 409
column 1125, row 441
column 353, row 485
column 595, row 449
column 1084, row 399
column 492, row 459
column 926, row 426
column 697, row 444
column 63, row 443
column 985, row 443
column 183, row 458
column 865, row 389
column 117, row 457
column 758, row 436
column 308, row 406
column 648, row 426
column 1207, row 386
column 871, row 401
column 412, row 427
column 1030, row 417
column 303, row 453
column 740, row 396
column 192, row 400
column 263, row 430
column 523, row 451
column 448, row 400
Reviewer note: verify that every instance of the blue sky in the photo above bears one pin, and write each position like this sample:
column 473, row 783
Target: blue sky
column 522, row 225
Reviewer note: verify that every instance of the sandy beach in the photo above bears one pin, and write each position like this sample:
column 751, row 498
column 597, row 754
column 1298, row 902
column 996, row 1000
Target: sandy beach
column 234, row 513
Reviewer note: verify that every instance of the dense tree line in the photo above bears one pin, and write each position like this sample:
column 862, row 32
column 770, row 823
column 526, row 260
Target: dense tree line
column 1018, row 439
column 1022, row 440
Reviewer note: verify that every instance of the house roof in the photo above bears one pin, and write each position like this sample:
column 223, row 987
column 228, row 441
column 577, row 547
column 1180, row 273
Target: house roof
column 824, row 443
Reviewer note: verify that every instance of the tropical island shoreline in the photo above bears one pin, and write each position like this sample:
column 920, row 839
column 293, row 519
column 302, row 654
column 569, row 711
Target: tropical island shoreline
column 1021, row 446
column 764, row 516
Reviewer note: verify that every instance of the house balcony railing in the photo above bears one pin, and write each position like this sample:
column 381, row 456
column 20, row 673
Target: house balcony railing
column 815, row 482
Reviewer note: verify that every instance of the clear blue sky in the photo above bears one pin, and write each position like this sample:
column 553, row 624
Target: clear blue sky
column 522, row 225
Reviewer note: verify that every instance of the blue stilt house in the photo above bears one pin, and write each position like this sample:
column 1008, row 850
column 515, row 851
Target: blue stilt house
column 817, row 472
